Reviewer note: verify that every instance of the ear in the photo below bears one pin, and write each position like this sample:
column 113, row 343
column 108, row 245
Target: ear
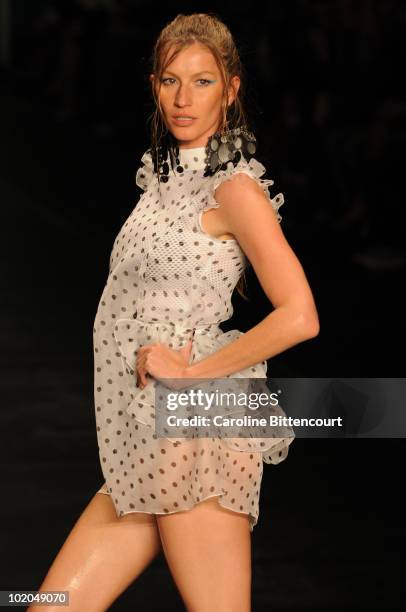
column 233, row 89
column 153, row 83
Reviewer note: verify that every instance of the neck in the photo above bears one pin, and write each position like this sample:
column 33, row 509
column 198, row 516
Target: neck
column 199, row 143
column 184, row 147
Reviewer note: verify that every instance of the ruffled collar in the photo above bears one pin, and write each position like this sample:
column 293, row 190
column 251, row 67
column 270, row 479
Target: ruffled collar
column 192, row 159
column 232, row 146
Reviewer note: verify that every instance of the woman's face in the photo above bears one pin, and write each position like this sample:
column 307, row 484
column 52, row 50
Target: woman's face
column 191, row 88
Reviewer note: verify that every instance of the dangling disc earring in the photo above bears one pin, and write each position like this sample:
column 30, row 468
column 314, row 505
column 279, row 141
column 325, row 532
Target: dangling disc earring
column 228, row 146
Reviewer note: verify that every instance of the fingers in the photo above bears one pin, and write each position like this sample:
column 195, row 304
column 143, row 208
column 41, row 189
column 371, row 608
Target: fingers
column 186, row 350
column 170, row 357
column 142, row 375
column 142, row 380
column 140, row 366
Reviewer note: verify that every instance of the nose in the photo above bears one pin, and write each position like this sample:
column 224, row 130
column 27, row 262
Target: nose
column 183, row 96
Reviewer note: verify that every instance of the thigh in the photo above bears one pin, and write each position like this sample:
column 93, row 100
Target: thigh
column 208, row 550
column 102, row 556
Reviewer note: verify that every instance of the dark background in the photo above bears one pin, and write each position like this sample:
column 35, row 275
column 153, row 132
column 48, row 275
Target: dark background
column 325, row 101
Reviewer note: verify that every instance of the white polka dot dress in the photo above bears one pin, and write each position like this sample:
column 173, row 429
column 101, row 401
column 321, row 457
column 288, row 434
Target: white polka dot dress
column 170, row 281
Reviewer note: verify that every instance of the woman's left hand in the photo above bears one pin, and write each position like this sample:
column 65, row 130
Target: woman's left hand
column 160, row 361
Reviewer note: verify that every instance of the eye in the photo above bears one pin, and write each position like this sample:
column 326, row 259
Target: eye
column 166, row 79
column 170, row 80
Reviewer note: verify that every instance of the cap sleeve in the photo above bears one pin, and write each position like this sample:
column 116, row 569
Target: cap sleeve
column 145, row 172
column 255, row 170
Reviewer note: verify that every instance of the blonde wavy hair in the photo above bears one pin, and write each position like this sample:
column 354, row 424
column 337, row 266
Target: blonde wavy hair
column 209, row 30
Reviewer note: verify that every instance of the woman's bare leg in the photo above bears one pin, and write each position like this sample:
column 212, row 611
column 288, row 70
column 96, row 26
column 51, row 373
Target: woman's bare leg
column 208, row 549
column 101, row 557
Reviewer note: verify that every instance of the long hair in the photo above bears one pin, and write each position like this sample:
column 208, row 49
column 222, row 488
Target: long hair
column 209, row 30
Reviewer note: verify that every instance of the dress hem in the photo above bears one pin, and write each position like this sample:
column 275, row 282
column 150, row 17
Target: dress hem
column 251, row 518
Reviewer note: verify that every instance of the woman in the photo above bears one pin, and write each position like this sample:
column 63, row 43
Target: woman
column 204, row 213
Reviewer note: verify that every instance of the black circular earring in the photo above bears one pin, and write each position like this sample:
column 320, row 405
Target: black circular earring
column 228, row 146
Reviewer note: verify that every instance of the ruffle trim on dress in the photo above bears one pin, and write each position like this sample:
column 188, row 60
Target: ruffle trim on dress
column 255, row 170
column 145, row 172
column 220, row 493
column 130, row 334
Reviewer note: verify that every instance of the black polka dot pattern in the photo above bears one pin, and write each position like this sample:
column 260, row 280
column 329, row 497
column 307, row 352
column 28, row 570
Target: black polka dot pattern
column 170, row 281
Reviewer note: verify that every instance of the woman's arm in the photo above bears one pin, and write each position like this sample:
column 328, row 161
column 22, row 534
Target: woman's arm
column 249, row 216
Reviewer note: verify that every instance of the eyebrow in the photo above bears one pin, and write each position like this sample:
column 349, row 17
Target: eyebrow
column 195, row 75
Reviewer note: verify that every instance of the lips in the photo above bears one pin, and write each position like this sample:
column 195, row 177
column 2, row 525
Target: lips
column 183, row 120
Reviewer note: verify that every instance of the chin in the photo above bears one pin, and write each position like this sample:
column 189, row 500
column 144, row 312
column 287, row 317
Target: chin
column 185, row 132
